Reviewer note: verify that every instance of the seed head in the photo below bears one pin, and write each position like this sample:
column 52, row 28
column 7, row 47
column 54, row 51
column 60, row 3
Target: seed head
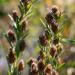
column 24, row 25
column 54, row 9
column 55, row 41
column 11, row 57
column 31, row 60
column 41, row 65
column 34, row 69
column 43, row 40
column 10, row 35
column 21, row 65
column 53, row 51
column 48, row 18
column 54, row 26
column 48, row 69
column 15, row 15
column 22, row 45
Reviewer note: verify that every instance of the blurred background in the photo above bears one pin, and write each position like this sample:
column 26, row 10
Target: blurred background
column 40, row 9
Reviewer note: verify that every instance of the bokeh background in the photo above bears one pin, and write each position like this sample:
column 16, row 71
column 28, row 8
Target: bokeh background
column 40, row 8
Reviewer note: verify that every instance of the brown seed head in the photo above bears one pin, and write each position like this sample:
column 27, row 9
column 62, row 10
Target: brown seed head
column 54, row 25
column 34, row 69
column 22, row 45
column 49, row 18
column 41, row 65
column 11, row 57
column 15, row 15
column 48, row 69
column 55, row 41
column 43, row 40
column 54, row 9
column 31, row 60
column 11, row 36
column 53, row 51
column 21, row 65
column 24, row 25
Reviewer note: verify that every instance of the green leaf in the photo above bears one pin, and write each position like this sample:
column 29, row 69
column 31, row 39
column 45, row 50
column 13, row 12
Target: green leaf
column 68, row 41
column 24, row 35
column 8, row 73
column 70, row 64
column 59, row 66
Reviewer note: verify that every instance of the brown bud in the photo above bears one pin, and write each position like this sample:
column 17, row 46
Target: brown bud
column 22, row 45
column 34, row 69
column 11, row 36
column 55, row 41
column 54, row 26
column 25, row 2
column 24, row 25
column 21, row 65
column 48, row 70
column 41, row 65
column 54, row 9
column 53, row 51
column 11, row 57
column 15, row 15
column 48, row 18
column 31, row 60
column 43, row 40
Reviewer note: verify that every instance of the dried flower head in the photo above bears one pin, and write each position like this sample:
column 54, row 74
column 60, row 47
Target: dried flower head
column 54, row 26
column 31, row 60
column 15, row 15
column 11, row 57
column 11, row 36
column 24, row 25
column 41, row 65
column 54, row 9
column 49, row 18
column 48, row 70
column 34, row 69
column 22, row 45
column 21, row 65
column 53, row 51
column 43, row 40
column 55, row 41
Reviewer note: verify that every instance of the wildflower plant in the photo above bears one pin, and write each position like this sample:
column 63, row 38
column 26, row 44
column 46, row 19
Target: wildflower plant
column 16, row 36
column 49, row 60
